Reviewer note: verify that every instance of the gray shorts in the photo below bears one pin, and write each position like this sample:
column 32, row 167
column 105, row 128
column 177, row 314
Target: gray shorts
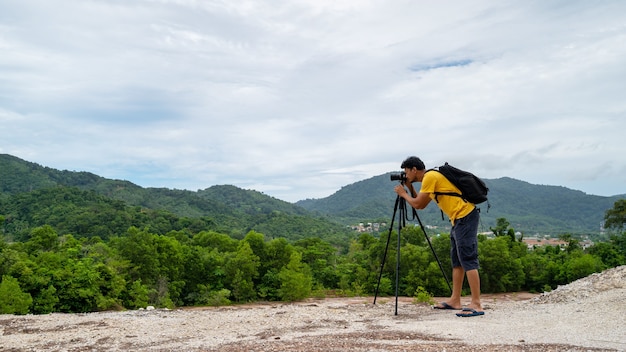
column 464, row 241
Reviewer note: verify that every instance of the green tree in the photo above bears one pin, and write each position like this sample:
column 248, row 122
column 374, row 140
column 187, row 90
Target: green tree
column 2, row 229
column 358, row 270
column 503, row 229
column 608, row 253
column 257, row 243
column 43, row 239
column 572, row 243
column 321, row 257
column 241, row 269
column 295, row 279
column 158, row 261
column 203, row 274
column 415, row 262
column 34, row 274
column 269, row 286
column 535, row 266
column 500, row 271
column 278, row 255
column 619, row 241
column 616, row 217
column 77, row 286
column 413, row 235
column 212, row 239
column 502, row 226
column 12, row 299
column 580, row 265
column 441, row 246
column 171, row 262
column 138, row 247
column 110, row 287
column 136, row 295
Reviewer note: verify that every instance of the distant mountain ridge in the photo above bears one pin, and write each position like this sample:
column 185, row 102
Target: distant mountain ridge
column 529, row 208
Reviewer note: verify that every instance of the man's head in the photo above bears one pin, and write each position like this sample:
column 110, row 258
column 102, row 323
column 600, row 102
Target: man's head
column 414, row 168
column 413, row 162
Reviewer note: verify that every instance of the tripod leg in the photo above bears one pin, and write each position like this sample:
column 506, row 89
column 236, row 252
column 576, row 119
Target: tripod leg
column 401, row 223
column 432, row 249
column 382, row 264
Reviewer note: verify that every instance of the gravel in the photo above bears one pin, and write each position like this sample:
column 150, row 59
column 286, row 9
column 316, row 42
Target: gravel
column 586, row 315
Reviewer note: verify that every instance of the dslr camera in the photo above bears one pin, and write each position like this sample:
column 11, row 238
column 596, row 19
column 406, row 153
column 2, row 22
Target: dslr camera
column 398, row 177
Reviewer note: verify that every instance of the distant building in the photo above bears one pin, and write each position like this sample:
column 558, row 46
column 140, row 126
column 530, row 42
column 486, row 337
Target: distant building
column 369, row 227
column 533, row 242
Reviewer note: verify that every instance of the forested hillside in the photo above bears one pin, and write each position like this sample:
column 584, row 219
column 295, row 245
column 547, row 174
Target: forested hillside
column 530, row 208
column 80, row 202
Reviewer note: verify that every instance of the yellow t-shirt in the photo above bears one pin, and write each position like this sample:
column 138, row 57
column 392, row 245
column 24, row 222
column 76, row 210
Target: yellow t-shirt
column 454, row 207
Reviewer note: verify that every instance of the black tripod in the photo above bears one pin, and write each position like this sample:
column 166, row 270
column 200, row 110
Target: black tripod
column 402, row 218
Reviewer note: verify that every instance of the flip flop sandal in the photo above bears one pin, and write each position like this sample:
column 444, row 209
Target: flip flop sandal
column 469, row 312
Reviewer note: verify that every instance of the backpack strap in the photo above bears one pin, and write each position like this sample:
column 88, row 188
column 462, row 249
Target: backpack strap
column 453, row 194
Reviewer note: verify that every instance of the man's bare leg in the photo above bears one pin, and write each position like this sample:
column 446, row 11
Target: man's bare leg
column 473, row 278
column 458, row 275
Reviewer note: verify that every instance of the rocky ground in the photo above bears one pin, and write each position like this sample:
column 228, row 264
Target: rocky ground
column 586, row 315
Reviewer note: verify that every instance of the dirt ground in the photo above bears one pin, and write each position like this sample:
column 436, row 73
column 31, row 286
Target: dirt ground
column 589, row 315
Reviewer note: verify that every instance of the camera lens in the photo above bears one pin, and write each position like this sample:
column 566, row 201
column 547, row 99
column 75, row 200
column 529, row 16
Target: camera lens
column 398, row 177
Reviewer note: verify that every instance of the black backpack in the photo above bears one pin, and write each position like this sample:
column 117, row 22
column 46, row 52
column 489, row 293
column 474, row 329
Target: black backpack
column 472, row 188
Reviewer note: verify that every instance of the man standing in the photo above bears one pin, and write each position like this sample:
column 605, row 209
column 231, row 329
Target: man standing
column 464, row 217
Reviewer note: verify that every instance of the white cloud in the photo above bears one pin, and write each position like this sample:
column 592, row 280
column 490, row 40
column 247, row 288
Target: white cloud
column 299, row 98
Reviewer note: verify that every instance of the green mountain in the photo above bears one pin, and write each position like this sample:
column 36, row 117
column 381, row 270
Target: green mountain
column 32, row 195
column 529, row 208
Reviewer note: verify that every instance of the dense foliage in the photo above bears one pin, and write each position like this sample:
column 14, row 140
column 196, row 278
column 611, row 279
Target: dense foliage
column 48, row 272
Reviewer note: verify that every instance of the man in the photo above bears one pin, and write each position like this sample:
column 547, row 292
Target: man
column 464, row 217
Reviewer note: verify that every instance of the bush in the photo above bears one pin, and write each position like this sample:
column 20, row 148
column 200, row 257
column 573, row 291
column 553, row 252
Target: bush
column 423, row 296
column 12, row 299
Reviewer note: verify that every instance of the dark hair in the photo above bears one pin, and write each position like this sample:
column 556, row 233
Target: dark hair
column 413, row 162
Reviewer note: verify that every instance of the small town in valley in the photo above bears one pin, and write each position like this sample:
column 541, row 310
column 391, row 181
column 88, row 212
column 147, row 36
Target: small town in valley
column 532, row 241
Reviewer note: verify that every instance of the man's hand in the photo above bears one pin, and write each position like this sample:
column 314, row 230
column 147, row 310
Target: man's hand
column 400, row 190
column 417, row 201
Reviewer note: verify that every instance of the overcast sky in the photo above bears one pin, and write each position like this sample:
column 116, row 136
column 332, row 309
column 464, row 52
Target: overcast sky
column 298, row 98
